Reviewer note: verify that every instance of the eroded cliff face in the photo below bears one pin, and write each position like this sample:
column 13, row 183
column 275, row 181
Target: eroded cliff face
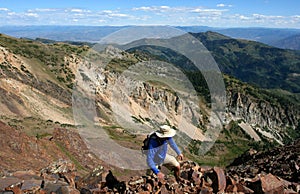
column 137, row 100
column 126, row 99
column 140, row 103
column 271, row 119
column 261, row 112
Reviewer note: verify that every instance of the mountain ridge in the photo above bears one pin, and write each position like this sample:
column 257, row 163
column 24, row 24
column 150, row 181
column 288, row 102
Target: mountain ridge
column 291, row 42
column 247, row 103
column 254, row 62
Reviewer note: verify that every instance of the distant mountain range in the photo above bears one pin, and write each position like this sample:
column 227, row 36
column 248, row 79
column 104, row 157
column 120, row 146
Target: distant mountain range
column 270, row 36
column 254, row 62
column 250, row 61
column 291, row 42
column 282, row 38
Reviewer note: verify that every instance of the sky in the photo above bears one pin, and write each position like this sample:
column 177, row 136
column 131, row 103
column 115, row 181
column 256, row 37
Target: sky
column 213, row 13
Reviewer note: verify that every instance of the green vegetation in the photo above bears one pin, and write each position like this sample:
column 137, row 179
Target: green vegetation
column 276, row 97
column 70, row 156
column 137, row 120
column 292, row 134
column 120, row 65
column 118, row 133
column 46, row 56
column 254, row 62
column 42, row 135
column 231, row 143
column 124, row 137
column 180, row 61
column 101, row 113
column 34, row 127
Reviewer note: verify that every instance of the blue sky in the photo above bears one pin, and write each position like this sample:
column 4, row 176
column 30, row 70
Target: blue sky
column 214, row 13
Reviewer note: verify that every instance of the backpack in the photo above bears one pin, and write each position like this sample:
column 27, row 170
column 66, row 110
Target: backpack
column 145, row 146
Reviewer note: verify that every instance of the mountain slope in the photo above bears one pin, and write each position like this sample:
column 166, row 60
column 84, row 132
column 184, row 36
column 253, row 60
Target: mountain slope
column 36, row 79
column 291, row 42
column 283, row 161
column 37, row 82
column 253, row 62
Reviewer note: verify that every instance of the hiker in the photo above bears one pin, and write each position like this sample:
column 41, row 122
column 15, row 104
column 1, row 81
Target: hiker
column 157, row 152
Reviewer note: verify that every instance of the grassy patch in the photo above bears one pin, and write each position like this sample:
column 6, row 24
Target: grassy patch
column 42, row 135
column 70, row 156
column 118, row 133
column 120, row 65
column 231, row 143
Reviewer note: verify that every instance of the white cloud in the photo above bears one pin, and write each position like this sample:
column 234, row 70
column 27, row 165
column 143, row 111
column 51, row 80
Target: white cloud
column 223, row 5
column 76, row 10
column 242, row 17
column 161, row 9
column 295, row 19
column 107, row 11
column 164, row 7
column 44, row 10
column 141, row 8
column 112, row 14
column 11, row 13
column 118, row 15
column 201, row 10
column 32, row 15
column 267, row 17
column 4, row 9
column 220, row 16
column 173, row 13
column 79, row 14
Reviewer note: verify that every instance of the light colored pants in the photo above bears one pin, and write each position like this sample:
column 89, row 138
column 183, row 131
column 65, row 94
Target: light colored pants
column 170, row 162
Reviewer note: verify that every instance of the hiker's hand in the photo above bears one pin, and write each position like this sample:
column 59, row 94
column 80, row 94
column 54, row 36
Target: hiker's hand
column 180, row 157
column 160, row 175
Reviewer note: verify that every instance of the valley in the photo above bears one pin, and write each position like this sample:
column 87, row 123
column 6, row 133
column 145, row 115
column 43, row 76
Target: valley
column 58, row 99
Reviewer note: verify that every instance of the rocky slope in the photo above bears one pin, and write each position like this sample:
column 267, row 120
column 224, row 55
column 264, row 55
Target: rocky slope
column 20, row 151
column 37, row 82
column 281, row 161
column 28, row 90
column 61, row 177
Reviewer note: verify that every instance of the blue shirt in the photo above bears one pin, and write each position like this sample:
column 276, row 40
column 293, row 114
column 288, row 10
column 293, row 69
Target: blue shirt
column 158, row 150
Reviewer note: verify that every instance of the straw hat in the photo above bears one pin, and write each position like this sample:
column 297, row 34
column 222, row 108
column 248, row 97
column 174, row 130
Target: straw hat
column 165, row 131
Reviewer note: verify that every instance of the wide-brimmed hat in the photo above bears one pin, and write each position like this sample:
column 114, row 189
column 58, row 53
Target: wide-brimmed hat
column 165, row 131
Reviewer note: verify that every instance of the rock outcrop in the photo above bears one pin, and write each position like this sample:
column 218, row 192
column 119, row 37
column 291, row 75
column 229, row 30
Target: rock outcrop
column 60, row 177
column 282, row 161
column 262, row 113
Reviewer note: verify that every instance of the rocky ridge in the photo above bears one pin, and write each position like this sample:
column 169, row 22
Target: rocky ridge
column 61, row 177
column 281, row 161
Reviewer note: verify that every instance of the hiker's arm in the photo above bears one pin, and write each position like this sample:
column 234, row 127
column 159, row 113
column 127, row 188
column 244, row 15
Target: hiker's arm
column 150, row 156
column 174, row 146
